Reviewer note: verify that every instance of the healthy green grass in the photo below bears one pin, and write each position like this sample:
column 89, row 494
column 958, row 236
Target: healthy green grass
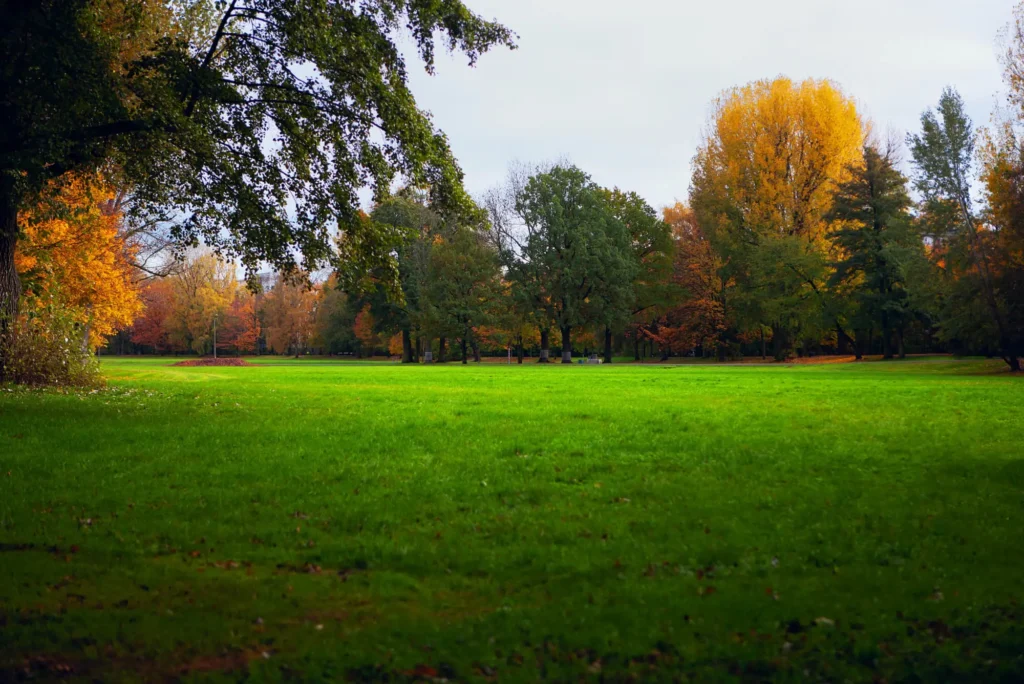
column 335, row 521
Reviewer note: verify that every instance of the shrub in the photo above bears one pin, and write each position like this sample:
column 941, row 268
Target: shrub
column 48, row 347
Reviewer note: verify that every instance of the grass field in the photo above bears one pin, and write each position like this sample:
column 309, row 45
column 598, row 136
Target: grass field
column 323, row 521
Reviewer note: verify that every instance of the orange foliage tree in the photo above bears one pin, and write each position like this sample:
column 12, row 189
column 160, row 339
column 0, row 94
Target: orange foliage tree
column 698, row 319
column 241, row 329
column 150, row 329
column 290, row 316
column 71, row 252
column 364, row 329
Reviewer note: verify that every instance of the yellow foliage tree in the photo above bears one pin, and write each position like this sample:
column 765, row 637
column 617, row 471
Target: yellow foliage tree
column 763, row 181
column 71, row 252
column 203, row 289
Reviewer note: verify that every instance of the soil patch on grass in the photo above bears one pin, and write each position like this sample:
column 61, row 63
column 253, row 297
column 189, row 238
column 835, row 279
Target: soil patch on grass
column 213, row 362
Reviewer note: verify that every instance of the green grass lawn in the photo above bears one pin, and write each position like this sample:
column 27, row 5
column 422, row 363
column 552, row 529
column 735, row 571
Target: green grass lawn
column 376, row 522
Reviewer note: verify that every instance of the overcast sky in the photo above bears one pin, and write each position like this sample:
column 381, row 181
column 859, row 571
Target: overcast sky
column 623, row 88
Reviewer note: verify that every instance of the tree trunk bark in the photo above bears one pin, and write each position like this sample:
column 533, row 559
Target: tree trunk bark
column 764, row 346
column 519, row 350
column 10, row 284
column 567, row 344
column 418, row 349
column 544, row 351
column 886, row 338
column 465, row 358
column 441, row 358
column 476, row 350
column 406, row 347
column 607, row 344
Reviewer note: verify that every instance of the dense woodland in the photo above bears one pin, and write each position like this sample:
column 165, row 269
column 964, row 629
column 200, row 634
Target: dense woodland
column 187, row 155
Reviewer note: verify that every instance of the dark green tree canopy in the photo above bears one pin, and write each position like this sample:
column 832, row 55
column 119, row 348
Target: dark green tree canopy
column 577, row 259
column 255, row 123
column 876, row 242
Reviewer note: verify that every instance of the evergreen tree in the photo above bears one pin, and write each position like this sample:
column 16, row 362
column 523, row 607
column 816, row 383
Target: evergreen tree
column 875, row 244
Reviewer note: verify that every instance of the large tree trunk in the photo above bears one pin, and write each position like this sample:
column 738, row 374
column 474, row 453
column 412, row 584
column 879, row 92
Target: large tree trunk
column 519, row 350
column 441, row 350
column 607, row 344
column 406, row 347
column 10, row 284
column 544, row 344
column 476, row 350
column 566, row 344
column 465, row 358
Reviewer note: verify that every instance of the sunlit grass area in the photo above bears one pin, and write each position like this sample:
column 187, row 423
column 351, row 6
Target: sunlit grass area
column 514, row 523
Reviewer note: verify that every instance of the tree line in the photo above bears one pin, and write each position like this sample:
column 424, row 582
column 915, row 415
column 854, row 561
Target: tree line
column 805, row 230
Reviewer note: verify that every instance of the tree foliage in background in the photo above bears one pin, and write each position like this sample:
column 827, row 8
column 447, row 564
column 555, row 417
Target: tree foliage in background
column 253, row 122
column 763, row 181
column 696, row 315
column 944, row 154
column 576, row 256
column 877, row 246
column 463, row 286
column 202, row 292
column 289, row 315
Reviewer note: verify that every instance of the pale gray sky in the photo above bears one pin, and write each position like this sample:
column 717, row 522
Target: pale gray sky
column 623, row 88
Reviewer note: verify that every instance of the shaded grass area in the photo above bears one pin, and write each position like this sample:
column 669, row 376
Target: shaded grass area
column 857, row 521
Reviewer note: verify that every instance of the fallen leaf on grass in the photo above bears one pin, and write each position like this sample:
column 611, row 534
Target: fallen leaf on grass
column 420, row 671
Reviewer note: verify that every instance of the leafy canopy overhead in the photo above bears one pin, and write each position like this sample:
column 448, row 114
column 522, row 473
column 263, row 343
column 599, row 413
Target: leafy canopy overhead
column 255, row 122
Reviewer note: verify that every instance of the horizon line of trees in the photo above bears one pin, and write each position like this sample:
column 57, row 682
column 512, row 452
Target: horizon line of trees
column 800, row 234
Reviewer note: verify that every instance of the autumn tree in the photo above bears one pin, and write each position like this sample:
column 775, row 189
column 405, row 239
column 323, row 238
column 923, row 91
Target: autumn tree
column 943, row 155
column 336, row 322
column 512, row 325
column 365, row 329
column 241, row 328
column 151, row 328
column 290, row 314
column 1003, row 179
column 763, row 181
column 202, row 291
column 71, row 252
column 696, row 317
column 184, row 116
